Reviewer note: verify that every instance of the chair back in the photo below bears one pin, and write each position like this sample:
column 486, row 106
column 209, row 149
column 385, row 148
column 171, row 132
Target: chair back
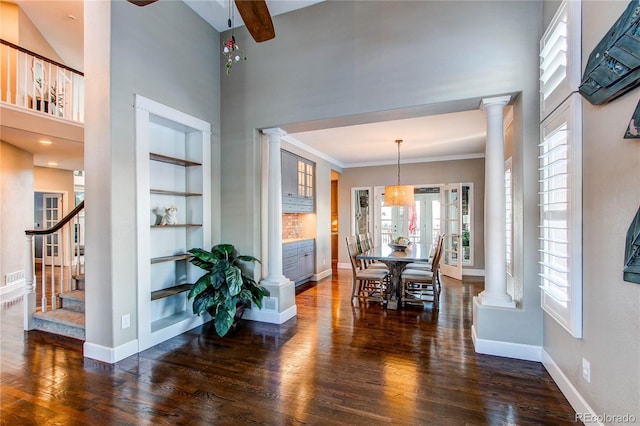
column 352, row 250
column 364, row 244
column 435, row 264
column 369, row 239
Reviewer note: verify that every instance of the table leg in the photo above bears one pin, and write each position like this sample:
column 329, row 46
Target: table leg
column 394, row 294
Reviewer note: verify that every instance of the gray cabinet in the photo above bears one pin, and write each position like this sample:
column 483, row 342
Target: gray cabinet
column 298, row 181
column 298, row 260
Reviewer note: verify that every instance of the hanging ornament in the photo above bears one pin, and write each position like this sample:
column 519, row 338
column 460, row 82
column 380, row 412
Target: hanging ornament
column 230, row 49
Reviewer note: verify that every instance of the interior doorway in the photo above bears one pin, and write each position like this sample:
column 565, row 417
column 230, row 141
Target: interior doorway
column 334, row 220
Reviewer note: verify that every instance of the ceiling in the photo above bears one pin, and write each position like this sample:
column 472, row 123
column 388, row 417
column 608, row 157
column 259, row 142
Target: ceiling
column 426, row 137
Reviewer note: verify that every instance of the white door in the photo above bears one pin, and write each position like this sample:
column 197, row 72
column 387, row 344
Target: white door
column 451, row 217
column 51, row 214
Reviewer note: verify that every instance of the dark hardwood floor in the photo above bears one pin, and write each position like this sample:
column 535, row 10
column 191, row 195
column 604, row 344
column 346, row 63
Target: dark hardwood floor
column 333, row 364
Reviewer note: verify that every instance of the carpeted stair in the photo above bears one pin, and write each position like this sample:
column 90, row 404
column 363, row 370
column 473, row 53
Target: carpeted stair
column 68, row 319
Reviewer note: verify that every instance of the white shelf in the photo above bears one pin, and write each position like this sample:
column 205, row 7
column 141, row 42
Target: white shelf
column 172, row 169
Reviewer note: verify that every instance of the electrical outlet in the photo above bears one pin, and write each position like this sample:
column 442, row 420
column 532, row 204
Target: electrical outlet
column 126, row 321
column 586, row 370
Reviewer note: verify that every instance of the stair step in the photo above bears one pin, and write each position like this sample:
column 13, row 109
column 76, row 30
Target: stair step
column 73, row 300
column 61, row 321
column 79, row 279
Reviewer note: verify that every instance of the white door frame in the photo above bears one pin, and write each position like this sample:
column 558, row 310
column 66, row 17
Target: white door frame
column 55, row 240
column 451, row 220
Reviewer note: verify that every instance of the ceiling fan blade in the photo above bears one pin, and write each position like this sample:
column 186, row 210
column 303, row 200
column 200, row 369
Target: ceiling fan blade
column 256, row 17
column 142, row 2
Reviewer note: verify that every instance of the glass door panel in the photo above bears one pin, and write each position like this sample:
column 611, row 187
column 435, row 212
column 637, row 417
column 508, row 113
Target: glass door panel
column 451, row 204
column 52, row 213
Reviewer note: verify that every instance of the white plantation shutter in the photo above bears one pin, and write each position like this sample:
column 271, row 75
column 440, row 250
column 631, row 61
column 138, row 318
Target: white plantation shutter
column 561, row 215
column 560, row 162
column 560, row 54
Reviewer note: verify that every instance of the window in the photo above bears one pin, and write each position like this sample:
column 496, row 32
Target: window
column 508, row 192
column 361, row 211
column 467, row 235
column 560, row 165
column 561, row 215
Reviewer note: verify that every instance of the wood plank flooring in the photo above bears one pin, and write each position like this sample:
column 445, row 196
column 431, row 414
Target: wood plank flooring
column 334, row 364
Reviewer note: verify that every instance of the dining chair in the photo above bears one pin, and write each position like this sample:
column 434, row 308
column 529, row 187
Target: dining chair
column 426, row 266
column 363, row 246
column 419, row 285
column 368, row 284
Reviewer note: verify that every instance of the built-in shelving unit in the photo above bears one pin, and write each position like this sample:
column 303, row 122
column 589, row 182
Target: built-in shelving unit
column 173, row 170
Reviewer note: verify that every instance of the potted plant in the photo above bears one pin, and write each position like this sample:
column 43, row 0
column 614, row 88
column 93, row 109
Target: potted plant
column 50, row 95
column 225, row 289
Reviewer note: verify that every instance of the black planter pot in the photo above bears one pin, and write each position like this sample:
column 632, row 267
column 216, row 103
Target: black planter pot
column 46, row 105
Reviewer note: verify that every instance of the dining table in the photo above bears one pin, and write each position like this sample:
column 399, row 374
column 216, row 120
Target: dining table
column 396, row 260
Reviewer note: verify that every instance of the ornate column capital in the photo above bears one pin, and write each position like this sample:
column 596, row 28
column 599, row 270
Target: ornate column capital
column 497, row 101
column 274, row 133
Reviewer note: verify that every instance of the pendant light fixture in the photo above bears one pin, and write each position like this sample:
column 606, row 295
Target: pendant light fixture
column 398, row 195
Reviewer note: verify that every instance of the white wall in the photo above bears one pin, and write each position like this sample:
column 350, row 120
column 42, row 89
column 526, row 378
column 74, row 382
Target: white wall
column 611, row 197
column 47, row 179
column 166, row 53
column 16, row 209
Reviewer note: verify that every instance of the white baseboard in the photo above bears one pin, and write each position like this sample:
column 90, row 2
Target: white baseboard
column 110, row 355
column 271, row 317
column 506, row 349
column 581, row 407
column 12, row 293
column 344, row 265
column 324, row 274
column 473, row 272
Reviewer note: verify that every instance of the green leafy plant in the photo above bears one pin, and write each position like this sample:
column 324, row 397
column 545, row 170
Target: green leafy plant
column 225, row 289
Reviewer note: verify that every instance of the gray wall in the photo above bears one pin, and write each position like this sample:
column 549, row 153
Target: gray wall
column 164, row 52
column 465, row 171
column 611, row 196
column 330, row 65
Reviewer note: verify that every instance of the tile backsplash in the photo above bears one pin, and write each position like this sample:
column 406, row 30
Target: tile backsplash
column 291, row 226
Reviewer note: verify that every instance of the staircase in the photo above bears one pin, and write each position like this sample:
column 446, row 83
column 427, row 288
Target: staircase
column 68, row 319
column 61, row 309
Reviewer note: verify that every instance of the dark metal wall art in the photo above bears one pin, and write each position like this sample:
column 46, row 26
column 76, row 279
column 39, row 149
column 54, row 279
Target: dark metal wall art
column 633, row 129
column 614, row 65
column 631, row 270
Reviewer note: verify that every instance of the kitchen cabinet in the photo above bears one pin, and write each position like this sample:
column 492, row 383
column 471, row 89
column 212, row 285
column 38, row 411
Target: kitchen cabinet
column 298, row 183
column 298, row 260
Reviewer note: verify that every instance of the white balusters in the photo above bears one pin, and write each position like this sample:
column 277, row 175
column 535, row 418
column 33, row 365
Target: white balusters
column 35, row 83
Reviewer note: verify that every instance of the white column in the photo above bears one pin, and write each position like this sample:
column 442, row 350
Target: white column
column 274, row 217
column 495, row 246
column 29, row 301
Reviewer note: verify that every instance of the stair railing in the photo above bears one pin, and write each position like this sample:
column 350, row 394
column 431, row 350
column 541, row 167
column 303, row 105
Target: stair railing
column 31, row 81
column 62, row 259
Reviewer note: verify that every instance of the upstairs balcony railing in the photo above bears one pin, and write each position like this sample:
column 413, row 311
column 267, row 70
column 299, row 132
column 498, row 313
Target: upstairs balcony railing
column 36, row 83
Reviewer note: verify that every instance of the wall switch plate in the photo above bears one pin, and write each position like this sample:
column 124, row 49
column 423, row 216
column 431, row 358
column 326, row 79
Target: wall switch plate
column 586, row 370
column 126, row 321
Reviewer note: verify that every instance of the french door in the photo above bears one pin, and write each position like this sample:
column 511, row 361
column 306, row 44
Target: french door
column 51, row 214
column 451, row 220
